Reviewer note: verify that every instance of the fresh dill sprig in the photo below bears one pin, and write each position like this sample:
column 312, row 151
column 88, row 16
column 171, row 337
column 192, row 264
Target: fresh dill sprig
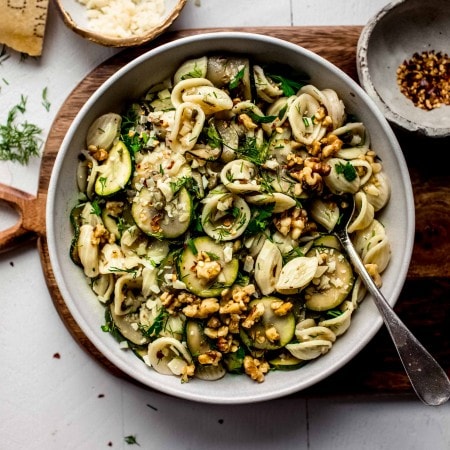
column 45, row 102
column 19, row 141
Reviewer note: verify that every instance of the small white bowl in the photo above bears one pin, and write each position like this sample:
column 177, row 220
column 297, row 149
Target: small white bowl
column 74, row 15
column 391, row 37
column 131, row 82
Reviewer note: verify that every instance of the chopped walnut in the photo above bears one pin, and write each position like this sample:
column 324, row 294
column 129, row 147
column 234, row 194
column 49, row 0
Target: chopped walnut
column 99, row 154
column 255, row 368
column 272, row 334
column 188, row 371
column 114, row 209
column 205, row 268
column 281, row 308
column 247, row 122
column 100, row 235
column 215, row 333
column 255, row 313
column 327, row 147
column 235, row 301
column 202, row 309
column 310, row 174
column 212, row 357
column 294, row 223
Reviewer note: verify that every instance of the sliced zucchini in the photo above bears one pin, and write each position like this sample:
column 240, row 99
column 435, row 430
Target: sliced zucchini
column 192, row 68
column 75, row 220
column 115, row 172
column 332, row 287
column 259, row 335
column 117, row 223
column 327, row 240
column 196, row 340
column 127, row 326
column 163, row 221
column 285, row 361
column 217, row 275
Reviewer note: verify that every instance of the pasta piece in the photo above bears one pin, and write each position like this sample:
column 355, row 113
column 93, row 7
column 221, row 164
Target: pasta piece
column 189, row 121
column 103, row 286
column 336, row 180
column 301, row 119
column 127, row 294
column 168, row 356
column 88, row 250
column 325, row 213
column 225, row 216
column 238, row 176
column 209, row 98
column 340, row 324
column 184, row 85
column 364, row 213
column 268, row 267
column 266, row 89
column 378, row 190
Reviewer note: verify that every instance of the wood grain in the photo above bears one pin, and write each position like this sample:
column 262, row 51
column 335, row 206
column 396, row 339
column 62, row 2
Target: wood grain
column 424, row 302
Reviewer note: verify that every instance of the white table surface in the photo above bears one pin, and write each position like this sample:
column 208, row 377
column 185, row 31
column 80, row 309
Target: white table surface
column 72, row 402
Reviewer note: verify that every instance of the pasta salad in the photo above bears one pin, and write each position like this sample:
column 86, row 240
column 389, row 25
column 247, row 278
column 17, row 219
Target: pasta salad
column 206, row 216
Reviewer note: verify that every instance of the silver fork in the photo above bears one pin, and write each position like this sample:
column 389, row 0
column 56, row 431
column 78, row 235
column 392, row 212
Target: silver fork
column 427, row 377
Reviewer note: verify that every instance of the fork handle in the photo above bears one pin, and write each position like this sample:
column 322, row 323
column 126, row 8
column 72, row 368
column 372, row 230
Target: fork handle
column 427, row 377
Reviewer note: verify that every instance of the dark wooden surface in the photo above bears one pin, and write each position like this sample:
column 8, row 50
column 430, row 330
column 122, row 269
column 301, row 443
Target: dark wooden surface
column 424, row 304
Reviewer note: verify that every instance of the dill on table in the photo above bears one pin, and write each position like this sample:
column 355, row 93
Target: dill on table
column 19, row 141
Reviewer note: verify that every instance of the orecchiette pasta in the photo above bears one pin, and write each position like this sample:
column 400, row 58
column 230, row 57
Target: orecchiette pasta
column 206, row 217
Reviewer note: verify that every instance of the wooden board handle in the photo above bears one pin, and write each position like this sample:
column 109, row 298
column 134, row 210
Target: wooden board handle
column 31, row 221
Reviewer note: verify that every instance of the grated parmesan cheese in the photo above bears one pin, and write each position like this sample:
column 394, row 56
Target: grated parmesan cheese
column 123, row 18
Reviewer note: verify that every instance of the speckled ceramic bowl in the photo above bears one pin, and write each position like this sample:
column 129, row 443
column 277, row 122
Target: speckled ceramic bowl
column 392, row 36
column 74, row 15
column 131, row 82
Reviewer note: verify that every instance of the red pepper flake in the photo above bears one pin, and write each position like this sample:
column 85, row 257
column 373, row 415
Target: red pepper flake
column 56, row 356
column 425, row 79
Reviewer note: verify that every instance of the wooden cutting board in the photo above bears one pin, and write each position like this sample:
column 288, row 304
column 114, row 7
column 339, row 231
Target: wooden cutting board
column 424, row 304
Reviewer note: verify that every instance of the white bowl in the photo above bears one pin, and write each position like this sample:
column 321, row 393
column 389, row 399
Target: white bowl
column 391, row 37
column 130, row 82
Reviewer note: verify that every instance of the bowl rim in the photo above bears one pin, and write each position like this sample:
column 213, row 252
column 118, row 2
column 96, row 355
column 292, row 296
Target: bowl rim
column 102, row 345
column 362, row 67
column 131, row 41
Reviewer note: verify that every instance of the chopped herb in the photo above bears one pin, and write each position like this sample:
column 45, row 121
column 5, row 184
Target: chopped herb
column 234, row 83
column 252, row 152
column 96, row 208
column 212, row 256
column 213, row 137
column 19, row 142
column 260, row 119
column 289, row 87
column 131, row 440
column 347, row 170
column 282, row 111
column 260, row 220
column 45, row 103
column 332, row 313
column 120, row 269
column 157, row 326
column 190, row 243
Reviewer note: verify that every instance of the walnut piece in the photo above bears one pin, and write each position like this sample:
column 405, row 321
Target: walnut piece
column 255, row 368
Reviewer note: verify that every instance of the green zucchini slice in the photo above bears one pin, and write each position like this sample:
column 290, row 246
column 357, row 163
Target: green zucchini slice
column 334, row 285
column 162, row 221
column 257, row 336
column 115, row 172
column 204, row 250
